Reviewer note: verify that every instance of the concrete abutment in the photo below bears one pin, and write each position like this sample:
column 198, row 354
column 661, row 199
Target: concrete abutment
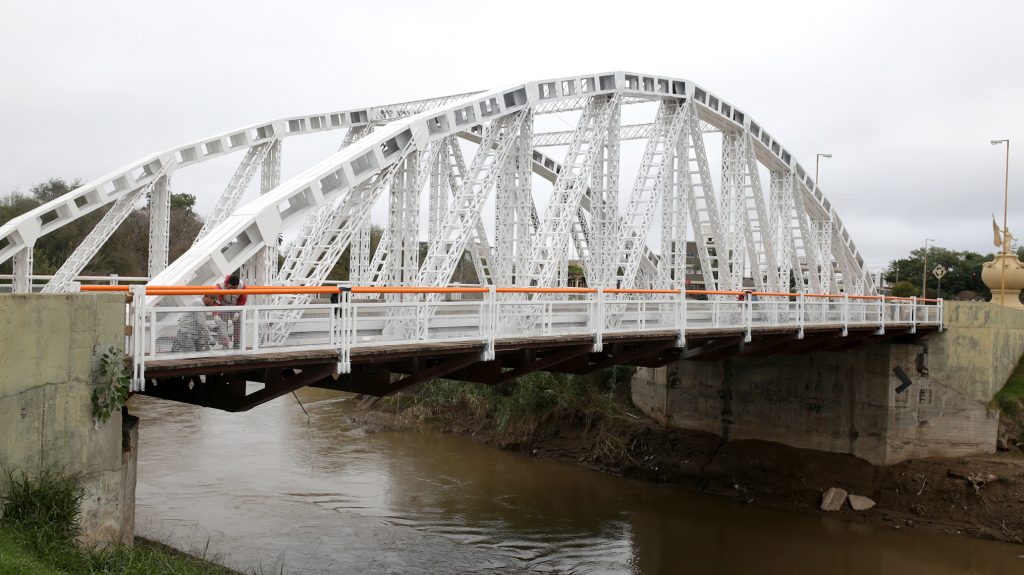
column 883, row 402
column 50, row 349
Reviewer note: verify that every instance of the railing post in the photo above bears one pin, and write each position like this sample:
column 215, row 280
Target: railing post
column 913, row 315
column 138, row 351
column 113, row 279
column 846, row 314
column 941, row 313
column 347, row 335
column 681, row 318
column 881, row 316
column 255, row 329
column 490, row 322
column 800, row 315
column 598, row 318
column 748, row 311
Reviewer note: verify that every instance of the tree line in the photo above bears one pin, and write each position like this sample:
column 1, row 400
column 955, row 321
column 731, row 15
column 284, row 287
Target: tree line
column 126, row 253
column 961, row 281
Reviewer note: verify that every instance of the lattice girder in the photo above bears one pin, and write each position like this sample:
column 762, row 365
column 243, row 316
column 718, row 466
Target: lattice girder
column 830, row 255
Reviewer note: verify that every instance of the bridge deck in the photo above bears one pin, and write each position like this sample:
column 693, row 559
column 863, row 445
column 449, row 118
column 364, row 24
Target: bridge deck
column 375, row 367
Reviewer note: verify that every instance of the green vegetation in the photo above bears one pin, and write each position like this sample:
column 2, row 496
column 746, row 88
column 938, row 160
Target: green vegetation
column 531, row 406
column 112, row 393
column 963, row 281
column 125, row 253
column 39, row 528
column 15, row 560
column 1010, row 401
column 904, row 289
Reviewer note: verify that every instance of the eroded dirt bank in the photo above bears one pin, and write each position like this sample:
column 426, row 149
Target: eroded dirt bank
column 980, row 496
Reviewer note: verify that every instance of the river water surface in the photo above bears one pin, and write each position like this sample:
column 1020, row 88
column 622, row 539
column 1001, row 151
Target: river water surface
column 269, row 488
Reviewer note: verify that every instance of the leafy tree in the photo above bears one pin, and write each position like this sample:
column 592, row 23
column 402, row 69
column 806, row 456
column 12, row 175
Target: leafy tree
column 904, row 289
column 125, row 253
column 964, row 271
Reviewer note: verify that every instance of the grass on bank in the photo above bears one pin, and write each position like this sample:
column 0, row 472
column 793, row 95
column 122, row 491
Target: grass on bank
column 39, row 529
column 1010, row 400
column 523, row 408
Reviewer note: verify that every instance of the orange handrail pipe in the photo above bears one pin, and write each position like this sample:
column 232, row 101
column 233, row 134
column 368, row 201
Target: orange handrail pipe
column 295, row 290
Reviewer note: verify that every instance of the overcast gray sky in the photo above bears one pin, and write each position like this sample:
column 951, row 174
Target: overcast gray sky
column 906, row 95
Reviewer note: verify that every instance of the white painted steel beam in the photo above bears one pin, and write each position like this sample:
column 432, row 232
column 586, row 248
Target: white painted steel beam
column 822, row 253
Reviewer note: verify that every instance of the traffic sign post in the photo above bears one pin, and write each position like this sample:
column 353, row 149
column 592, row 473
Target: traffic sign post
column 938, row 272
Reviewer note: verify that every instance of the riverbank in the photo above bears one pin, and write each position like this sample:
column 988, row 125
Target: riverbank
column 40, row 534
column 558, row 419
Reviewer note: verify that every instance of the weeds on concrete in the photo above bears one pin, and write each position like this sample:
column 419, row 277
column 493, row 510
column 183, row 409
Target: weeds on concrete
column 1010, row 400
column 112, row 392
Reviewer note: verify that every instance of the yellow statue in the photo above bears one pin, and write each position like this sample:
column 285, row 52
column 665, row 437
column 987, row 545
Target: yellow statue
column 1004, row 275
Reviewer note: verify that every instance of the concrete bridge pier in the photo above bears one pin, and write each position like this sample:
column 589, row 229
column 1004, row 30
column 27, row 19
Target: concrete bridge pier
column 884, row 402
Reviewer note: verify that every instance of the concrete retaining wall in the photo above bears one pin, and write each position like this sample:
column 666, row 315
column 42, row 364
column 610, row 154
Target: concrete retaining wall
column 847, row 401
column 979, row 349
column 49, row 364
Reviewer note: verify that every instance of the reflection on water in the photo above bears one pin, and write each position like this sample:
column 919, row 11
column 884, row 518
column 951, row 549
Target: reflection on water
column 268, row 487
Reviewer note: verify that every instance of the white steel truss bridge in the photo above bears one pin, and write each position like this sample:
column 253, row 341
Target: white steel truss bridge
column 712, row 195
column 648, row 184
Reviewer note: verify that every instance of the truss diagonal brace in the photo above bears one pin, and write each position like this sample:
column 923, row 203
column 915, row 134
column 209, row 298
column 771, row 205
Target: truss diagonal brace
column 236, row 187
column 99, row 235
column 445, row 250
column 549, row 247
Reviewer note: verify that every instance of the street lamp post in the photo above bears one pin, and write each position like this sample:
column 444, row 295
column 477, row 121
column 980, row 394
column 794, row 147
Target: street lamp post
column 1006, row 201
column 924, row 272
column 817, row 166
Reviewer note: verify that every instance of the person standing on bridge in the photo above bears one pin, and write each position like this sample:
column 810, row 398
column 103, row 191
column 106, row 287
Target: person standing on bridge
column 231, row 282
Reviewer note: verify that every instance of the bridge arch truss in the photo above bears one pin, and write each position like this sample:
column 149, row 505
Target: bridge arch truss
column 755, row 219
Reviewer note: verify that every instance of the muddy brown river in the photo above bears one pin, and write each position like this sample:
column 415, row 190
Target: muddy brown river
column 269, row 488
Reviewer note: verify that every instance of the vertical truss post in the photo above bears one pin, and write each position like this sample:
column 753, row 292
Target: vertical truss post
column 524, row 210
column 550, row 245
column 446, row 248
column 782, row 218
column 387, row 256
column 438, row 199
column 403, row 263
column 359, row 249
column 604, row 203
column 159, row 225
column 22, row 268
column 731, row 205
column 513, row 204
column 270, row 178
column 821, row 228
column 359, row 255
column 504, row 220
column 675, row 201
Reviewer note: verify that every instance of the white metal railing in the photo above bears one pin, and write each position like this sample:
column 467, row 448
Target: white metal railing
column 37, row 282
column 488, row 315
